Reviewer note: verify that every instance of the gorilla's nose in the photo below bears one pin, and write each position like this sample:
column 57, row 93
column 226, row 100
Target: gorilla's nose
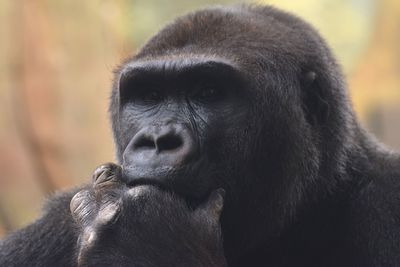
column 158, row 148
column 164, row 141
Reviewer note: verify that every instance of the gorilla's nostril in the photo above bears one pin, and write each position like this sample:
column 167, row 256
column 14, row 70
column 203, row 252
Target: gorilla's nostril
column 161, row 143
column 168, row 142
column 145, row 143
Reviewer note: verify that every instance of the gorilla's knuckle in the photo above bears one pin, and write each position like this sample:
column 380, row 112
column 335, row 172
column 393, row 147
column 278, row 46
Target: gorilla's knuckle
column 109, row 213
column 80, row 205
column 107, row 173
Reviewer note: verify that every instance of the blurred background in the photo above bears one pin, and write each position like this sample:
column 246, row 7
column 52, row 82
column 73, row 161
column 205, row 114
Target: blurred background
column 56, row 62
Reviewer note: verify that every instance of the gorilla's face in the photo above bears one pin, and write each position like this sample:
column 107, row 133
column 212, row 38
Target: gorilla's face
column 180, row 122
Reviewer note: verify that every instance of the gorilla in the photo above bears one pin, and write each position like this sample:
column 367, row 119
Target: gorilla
column 246, row 100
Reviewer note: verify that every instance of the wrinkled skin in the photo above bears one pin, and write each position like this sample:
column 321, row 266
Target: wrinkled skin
column 248, row 99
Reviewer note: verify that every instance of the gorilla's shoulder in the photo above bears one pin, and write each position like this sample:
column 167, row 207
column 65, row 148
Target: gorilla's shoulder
column 380, row 196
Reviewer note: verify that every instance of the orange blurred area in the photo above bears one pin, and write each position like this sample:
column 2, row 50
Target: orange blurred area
column 56, row 62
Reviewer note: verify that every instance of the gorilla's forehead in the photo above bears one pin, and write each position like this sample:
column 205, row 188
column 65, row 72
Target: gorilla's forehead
column 246, row 36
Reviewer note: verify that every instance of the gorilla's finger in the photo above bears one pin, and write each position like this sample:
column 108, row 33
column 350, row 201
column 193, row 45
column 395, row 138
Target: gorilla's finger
column 107, row 173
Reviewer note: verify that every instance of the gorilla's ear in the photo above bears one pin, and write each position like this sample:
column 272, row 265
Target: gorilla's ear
column 315, row 104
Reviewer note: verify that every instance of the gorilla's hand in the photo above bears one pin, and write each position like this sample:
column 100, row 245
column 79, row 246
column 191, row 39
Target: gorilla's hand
column 144, row 226
column 98, row 207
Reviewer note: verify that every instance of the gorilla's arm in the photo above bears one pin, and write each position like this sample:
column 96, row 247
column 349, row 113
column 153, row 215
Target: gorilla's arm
column 50, row 241
column 110, row 224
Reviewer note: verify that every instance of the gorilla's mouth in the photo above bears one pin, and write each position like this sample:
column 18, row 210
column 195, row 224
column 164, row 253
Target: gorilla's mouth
column 187, row 183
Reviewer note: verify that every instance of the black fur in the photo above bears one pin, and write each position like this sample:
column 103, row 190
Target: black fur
column 305, row 184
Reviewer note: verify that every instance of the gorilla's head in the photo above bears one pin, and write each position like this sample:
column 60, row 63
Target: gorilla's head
column 248, row 99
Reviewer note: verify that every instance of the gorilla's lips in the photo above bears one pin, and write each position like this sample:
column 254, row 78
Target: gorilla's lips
column 137, row 182
column 187, row 182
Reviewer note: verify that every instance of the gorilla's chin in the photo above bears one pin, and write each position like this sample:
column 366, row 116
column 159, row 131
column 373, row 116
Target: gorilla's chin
column 143, row 190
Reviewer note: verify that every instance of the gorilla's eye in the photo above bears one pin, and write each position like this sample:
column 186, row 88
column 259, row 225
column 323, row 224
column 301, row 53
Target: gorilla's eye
column 208, row 93
column 140, row 89
column 147, row 96
column 152, row 95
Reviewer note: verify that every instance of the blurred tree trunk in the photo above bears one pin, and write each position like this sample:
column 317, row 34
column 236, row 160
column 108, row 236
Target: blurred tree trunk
column 375, row 83
column 56, row 60
column 36, row 103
